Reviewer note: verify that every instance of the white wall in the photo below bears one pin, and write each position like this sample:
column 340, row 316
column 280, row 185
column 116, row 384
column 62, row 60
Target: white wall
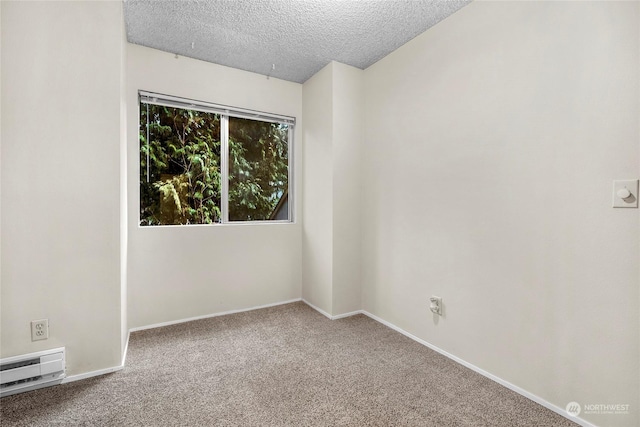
column 181, row 272
column 61, row 64
column 348, row 116
column 0, row 166
column 124, row 207
column 317, row 237
column 491, row 144
column 332, row 109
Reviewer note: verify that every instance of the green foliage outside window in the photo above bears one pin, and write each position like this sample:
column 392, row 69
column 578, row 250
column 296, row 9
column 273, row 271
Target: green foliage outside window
column 258, row 168
column 180, row 176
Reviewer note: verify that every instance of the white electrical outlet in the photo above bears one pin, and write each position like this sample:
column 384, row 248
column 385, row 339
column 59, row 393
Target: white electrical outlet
column 39, row 329
column 436, row 305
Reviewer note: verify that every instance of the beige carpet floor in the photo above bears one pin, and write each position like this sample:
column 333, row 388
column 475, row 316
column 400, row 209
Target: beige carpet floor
column 281, row 366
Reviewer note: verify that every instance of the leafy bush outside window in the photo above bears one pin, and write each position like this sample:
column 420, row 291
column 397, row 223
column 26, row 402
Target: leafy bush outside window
column 258, row 169
column 183, row 166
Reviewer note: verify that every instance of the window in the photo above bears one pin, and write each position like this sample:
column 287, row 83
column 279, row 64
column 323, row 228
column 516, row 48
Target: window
column 202, row 163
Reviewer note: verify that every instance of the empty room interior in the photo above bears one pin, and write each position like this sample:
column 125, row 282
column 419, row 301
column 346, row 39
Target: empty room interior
column 320, row 212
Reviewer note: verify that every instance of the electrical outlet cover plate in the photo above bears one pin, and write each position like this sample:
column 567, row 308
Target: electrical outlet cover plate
column 436, row 305
column 39, row 329
column 632, row 200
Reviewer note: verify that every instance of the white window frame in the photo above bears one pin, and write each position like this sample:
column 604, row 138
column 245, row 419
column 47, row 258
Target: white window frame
column 145, row 97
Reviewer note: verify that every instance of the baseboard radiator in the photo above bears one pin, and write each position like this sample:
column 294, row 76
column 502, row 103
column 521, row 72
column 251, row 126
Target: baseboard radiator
column 31, row 371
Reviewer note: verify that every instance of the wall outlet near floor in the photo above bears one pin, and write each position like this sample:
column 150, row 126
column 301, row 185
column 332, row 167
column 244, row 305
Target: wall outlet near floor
column 436, row 305
column 39, row 329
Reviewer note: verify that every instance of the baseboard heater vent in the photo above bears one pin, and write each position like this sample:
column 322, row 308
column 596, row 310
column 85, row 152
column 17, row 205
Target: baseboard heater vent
column 31, row 371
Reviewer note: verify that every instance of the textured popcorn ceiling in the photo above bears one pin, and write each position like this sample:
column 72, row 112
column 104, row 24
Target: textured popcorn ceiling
column 298, row 37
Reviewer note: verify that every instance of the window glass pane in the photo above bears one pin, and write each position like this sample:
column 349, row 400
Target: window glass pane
column 179, row 166
column 258, row 170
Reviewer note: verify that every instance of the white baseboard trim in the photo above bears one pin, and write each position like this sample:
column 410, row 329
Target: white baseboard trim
column 86, row 375
column 126, row 348
column 99, row 372
column 325, row 314
column 464, row 363
column 349, row 314
column 484, row 373
column 207, row 316
column 318, row 309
